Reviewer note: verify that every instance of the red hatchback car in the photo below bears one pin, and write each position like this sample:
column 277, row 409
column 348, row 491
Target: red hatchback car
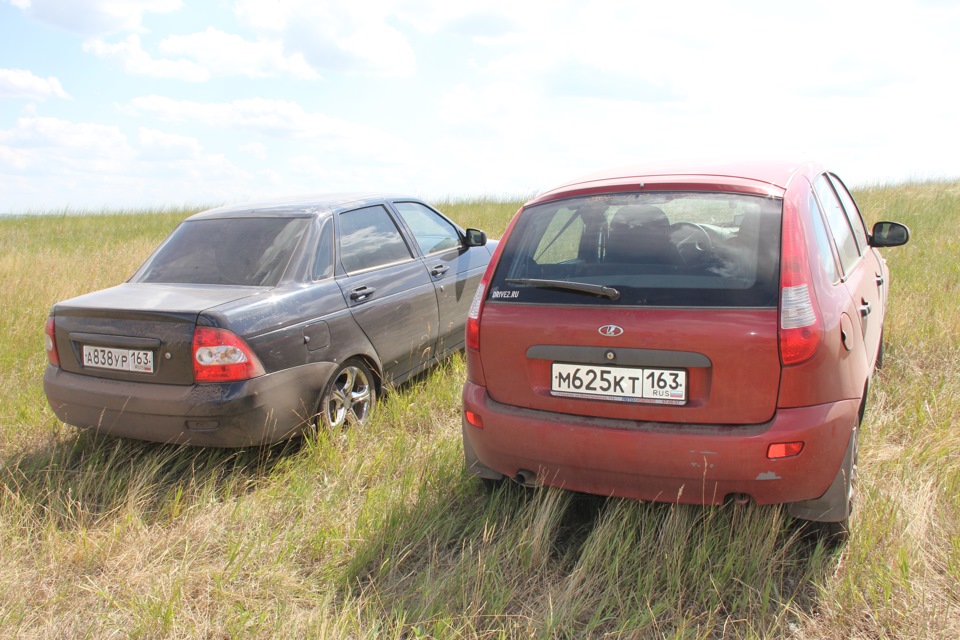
column 681, row 335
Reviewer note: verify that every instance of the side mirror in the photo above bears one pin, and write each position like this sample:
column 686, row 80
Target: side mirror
column 475, row 238
column 889, row 234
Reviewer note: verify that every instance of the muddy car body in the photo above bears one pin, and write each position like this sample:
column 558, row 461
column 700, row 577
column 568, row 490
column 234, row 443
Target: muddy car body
column 251, row 322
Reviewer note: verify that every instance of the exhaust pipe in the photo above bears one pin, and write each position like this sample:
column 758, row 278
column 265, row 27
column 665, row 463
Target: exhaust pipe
column 526, row 478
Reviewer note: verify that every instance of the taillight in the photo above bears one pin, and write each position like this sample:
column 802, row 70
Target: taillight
column 50, row 342
column 476, row 307
column 222, row 356
column 801, row 329
column 473, row 316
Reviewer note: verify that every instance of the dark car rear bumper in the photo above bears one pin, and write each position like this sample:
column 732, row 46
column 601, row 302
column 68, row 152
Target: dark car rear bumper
column 254, row 412
column 694, row 464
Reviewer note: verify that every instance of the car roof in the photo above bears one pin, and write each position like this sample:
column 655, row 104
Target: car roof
column 762, row 177
column 299, row 206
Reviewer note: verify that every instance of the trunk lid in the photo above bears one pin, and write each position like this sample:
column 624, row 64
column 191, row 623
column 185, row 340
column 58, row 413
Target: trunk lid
column 730, row 360
column 137, row 332
column 657, row 306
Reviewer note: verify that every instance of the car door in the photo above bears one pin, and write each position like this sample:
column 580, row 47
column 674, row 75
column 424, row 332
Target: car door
column 388, row 291
column 862, row 274
column 455, row 268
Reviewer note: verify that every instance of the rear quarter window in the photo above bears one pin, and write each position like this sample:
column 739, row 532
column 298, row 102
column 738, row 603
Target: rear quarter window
column 825, row 253
column 660, row 249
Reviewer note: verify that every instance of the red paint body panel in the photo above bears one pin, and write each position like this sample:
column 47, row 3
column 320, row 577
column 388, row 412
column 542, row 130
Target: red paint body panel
column 834, row 372
column 739, row 386
column 741, row 398
column 693, row 464
column 762, row 178
column 661, row 183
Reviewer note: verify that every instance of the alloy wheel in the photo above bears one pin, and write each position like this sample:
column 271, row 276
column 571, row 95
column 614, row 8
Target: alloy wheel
column 349, row 398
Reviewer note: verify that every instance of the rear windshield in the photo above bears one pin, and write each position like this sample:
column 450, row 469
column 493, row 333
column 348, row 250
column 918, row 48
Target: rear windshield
column 663, row 249
column 235, row 251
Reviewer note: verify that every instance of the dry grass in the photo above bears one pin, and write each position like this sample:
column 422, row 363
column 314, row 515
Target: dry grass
column 379, row 534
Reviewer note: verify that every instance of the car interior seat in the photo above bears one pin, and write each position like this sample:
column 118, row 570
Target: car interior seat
column 639, row 234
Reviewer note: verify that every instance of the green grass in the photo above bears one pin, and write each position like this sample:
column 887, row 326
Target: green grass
column 378, row 533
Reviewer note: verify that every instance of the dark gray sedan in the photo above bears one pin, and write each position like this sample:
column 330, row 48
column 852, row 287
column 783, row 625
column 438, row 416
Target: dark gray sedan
column 250, row 323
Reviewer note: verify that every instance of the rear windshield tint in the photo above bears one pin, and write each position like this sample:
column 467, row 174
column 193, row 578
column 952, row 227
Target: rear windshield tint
column 663, row 249
column 234, row 251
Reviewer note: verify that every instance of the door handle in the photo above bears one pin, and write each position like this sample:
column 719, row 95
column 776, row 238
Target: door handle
column 865, row 308
column 879, row 280
column 439, row 270
column 362, row 293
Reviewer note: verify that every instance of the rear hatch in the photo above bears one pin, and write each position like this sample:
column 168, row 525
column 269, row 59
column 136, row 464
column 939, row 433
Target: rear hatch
column 138, row 332
column 656, row 307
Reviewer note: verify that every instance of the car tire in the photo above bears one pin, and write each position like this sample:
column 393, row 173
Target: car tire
column 349, row 397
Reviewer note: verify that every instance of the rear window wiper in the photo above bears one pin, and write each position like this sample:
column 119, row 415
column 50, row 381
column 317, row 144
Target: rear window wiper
column 566, row 285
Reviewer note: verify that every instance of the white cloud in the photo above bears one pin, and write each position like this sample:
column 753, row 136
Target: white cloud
column 59, row 160
column 501, row 107
column 46, row 133
column 256, row 150
column 92, row 165
column 591, row 88
column 628, row 50
column 95, row 17
column 276, row 119
column 160, row 146
column 348, row 36
column 12, row 159
column 497, row 97
column 20, row 83
column 138, row 62
column 199, row 56
column 488, row 21
column 224, row 54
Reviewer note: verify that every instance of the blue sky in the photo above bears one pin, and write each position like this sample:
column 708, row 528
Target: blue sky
column 153, row 103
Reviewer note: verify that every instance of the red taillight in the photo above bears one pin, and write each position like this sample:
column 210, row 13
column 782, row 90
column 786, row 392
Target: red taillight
column 222, row 356
column 784, row 450
column 476, row 307
column 473, row 316
column 50, row 342
column 801, row 328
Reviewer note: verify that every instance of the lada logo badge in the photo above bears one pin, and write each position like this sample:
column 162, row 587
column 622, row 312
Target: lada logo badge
column 610, row 330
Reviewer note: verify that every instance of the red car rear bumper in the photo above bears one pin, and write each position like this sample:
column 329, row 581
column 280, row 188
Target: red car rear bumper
column 694, row 464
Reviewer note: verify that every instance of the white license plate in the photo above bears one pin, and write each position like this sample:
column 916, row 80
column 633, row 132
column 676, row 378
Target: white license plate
column 138, row 360
column 624, row 384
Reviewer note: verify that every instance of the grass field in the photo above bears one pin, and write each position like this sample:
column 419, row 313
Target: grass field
column 378, row 533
